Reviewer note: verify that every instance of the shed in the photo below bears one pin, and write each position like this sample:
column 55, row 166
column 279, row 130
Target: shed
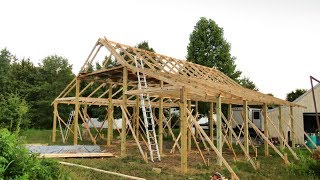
column 304, row 118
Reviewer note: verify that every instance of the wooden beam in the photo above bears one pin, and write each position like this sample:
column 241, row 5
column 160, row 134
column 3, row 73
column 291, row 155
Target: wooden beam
column 246, row 127
column 284, row 140
column 225, row 163
column 54, row 127
column 211, row 122
column 76, row 113
column 189, row 132
column 110, row 117
column 292, row 132
column 102, row 171
column 137, row 120
column 124, row 101
column 230, row 121
column 197, row 113
column 281, row 128
column 151, row 90
column 269, row 142
column 219, row 128
column 160, row 123
column 266, row 129
column 183, row 129
column 76, row 155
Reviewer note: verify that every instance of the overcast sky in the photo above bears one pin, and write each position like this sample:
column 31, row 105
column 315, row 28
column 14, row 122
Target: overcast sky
column 276, row 42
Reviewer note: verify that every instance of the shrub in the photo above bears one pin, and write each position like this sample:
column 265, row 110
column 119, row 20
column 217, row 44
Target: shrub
column 17, row 163
column 305, row 166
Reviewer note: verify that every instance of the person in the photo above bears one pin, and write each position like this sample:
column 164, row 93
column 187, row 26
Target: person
column 216, row 176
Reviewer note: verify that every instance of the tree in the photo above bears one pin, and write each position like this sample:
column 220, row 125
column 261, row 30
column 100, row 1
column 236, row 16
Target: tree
column 145, row 45
column 247, row 83
column 13, row 112
column 293, row 95
column 5, row 59
column 55, row 72
column 208, row 47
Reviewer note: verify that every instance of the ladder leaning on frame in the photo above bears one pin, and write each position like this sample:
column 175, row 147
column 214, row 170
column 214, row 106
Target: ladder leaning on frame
column 147, row 114
column 68, row 125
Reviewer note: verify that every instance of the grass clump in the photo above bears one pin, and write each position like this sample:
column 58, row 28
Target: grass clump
column 308, row 165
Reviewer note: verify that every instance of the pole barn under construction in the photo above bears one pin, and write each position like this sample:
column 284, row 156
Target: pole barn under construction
column 138, row 82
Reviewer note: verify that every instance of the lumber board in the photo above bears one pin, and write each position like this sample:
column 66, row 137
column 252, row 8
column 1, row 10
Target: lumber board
column 76, row 155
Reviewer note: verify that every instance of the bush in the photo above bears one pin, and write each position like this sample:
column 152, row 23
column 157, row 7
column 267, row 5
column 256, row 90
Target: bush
column 306, row 166
column 17, row 163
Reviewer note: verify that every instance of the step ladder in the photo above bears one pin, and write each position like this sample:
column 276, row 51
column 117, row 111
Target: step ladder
column 147, row 114
column 69, row 123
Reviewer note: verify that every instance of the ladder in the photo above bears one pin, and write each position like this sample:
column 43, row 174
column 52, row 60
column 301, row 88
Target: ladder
column 147, row 115
column 71, row 115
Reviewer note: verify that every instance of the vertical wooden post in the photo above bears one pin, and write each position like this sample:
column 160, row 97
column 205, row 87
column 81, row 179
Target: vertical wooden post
column 211, row 121
column 124, row 103
column 183, row 120
column 219, row 128
column 110, row 117
column 292, row 132
column 197, row 113
column 161, row 122
column 137, row 116
column 170, row 116
column 54, row 127
column 76, row 113
column 230, row 122
column 188, row 132
column 266, row 134
column 246, row 127
column 280, row 129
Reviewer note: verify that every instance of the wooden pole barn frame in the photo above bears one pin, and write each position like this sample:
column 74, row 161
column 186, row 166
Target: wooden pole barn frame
column 171, row 83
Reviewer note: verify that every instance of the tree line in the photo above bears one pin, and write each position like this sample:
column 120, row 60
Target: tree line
column 27, row 90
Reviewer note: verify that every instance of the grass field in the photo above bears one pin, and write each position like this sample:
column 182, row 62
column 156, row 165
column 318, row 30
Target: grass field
column 272, row 167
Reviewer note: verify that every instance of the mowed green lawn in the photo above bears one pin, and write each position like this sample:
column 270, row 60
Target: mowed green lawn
column 271, row 167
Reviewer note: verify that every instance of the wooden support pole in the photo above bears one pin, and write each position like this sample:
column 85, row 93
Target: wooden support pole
column 225, row 163
column 266, row 134
column 189, row 132
column 54, row 127
column 101, row 171
column 124, row 102
column 246, row 127
column 110, row 117
column 269, row 142
column 137, row 121
column 230, row 121
column 197, row 113
column 284, row 141
column 292, row 132
column 76, row 113
column 219, row 128
column 160, row 123
column 211, row 121
column 183, row 120
column 280, row 128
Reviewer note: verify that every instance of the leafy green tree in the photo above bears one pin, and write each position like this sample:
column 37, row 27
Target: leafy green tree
column 293, row 95
column 55, row 72
column 209, row 48
column 5, row 58
column 247, row 83
column 13, row 112
column 145, row 45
